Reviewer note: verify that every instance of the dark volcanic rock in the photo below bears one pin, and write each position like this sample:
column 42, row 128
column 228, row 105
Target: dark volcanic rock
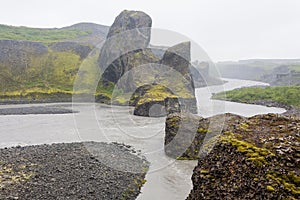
column 185, row 132
column 178, row 58
column 69, row 171
column 146, row 105
column 253, row 158
column 129, row 20
column 130, row 32
column 160, row 108
column 124, row 64
column 157, row 101
column 126, row 50
column 150, row 109
column 187, row 105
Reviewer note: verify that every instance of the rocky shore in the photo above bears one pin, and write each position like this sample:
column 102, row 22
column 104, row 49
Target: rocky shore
column 251, row 158
column 69, row 171
column 290, row 110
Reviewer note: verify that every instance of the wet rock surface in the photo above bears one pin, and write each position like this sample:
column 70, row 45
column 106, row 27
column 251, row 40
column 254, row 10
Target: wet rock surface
column 253, row 158
column 69, row 171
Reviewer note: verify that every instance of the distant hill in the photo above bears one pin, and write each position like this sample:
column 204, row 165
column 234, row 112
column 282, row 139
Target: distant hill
column 87, row 33
column 273, row 71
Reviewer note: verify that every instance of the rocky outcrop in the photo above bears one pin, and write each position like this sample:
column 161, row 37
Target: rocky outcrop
column 128, row 35
column 184, row 133
column 178, row 57
column 134, row 21
column 127, row 48
column 149, row 100
column 124, row 64
column 252, row 158
column 177, row 60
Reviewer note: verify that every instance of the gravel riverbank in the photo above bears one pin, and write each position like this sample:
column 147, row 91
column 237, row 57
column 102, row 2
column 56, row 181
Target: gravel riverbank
column 35, row 110
column 69, row 171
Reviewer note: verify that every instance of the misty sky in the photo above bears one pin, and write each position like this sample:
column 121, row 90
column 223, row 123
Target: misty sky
column 225, row 29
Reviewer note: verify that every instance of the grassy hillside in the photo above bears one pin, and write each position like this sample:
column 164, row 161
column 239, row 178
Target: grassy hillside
column 38, row 64
column 288, row 95
column 39, row 35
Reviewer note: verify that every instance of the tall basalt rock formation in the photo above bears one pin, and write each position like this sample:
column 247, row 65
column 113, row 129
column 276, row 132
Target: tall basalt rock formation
column 125, row 46
column 178, row 57
column 128, row 63
column 136, row 22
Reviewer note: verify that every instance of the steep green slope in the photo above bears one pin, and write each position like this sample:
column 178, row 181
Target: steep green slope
column 42, row 64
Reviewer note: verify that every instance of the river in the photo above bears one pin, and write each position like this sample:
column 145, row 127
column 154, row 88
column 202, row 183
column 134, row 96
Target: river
column 167, row 179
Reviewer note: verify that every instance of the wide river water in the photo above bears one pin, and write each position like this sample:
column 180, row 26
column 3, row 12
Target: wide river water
column 167, row 178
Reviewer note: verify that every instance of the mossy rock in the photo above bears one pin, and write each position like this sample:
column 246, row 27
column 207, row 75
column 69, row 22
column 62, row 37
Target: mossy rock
column 254, row 158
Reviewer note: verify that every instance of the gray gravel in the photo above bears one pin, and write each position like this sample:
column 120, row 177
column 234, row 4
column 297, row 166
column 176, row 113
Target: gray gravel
column 69, row 171
column 35, row 110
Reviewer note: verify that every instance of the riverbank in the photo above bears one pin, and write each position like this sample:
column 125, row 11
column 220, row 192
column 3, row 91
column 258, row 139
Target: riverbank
column 167, row 178
column 290, row 110
column 281, row 97
column 68, row 171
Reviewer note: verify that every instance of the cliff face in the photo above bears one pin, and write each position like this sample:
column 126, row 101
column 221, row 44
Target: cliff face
column 36, row 63
column 124, row 47
column 253, row 158
column 26, row 65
